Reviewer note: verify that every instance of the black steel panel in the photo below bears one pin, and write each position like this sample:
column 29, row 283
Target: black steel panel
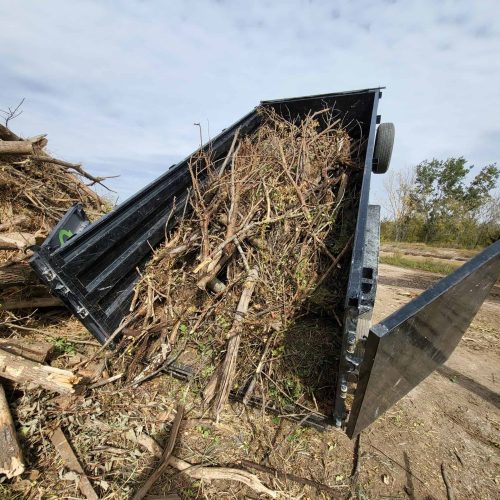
column 410, row 344
column 74, row 222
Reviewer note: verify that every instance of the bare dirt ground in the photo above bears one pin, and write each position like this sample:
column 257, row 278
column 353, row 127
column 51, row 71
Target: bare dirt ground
column 452, row 418
column 421, row 252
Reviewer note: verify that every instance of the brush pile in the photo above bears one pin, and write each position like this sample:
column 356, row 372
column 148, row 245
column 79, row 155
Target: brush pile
column 35, row 192
column 262, row 242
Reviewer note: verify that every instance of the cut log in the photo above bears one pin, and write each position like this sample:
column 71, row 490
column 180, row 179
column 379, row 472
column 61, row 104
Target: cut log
column 25, row 371
column 11, row 457
column 7, row 134
column 16, row 148
column 71, row 462
column 16, row 240
column 10, row 305
column 32, row 350
column 17, row 274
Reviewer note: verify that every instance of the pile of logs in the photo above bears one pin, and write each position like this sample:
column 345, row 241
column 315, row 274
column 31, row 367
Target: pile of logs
column 35, row 192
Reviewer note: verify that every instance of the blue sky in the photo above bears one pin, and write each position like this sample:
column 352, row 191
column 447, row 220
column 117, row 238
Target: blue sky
column 118, row 85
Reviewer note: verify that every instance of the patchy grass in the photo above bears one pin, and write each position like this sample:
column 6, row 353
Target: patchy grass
column 437, row 250
column 425, row 264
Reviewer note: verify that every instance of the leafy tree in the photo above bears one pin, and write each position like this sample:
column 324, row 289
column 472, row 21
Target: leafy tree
column 439, row 201
column 445, row 200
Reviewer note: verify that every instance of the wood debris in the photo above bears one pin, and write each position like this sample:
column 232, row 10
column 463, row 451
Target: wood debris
column 71, row 462
column 291, row 477
column 207, row 473
column 27, row 372
column 35, row 192
column 29, row 349
column 11, row 457
column 143, row 490
column 261, row 242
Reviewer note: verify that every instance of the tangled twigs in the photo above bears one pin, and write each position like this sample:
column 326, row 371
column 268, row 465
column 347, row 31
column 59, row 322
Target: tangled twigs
column 258, row 370
column 36, row 189
column 274, row 208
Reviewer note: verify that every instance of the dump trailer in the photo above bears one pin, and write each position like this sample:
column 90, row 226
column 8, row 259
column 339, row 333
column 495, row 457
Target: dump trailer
column 93, row 268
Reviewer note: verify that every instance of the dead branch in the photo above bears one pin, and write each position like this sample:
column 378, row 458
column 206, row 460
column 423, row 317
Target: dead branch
column 71, row 462
column 12, row 113
column 77, row 168
column 226, row 375
column 106, row 381
column 165, row 456
column 258, row 370
column 292, row 477
column 207, row 473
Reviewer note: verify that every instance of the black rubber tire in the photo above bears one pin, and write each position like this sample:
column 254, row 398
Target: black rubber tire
column 383, row 148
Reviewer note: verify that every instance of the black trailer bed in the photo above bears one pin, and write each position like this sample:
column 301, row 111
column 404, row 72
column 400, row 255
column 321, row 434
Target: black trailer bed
column 94, row 270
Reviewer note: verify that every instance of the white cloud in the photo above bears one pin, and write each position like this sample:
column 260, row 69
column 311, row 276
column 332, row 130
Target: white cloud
column 126, row 80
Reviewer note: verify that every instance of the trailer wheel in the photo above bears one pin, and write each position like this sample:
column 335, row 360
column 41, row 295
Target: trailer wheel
column 383, row 148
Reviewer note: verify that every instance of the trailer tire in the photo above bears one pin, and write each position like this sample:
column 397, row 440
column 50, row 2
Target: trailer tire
column 382, row 153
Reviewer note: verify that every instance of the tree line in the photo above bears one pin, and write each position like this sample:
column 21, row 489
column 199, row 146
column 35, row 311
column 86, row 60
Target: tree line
column 440, row 202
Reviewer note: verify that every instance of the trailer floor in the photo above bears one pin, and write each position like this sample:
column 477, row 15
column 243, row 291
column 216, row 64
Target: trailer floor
column 452, row 418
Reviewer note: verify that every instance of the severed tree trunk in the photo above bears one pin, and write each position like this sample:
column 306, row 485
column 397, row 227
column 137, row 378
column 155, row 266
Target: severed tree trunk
column 17, row 274
column 11, row 457
column 16, row 147
column 35, row 302
column 25, row 371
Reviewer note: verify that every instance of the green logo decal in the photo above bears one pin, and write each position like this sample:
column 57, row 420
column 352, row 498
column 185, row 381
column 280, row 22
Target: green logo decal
column 64, row 234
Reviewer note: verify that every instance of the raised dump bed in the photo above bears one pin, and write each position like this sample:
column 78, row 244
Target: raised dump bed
column 93, row 268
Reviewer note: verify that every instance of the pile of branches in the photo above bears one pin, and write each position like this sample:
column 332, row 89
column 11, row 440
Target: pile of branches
column 35, row 192
column 259, row 236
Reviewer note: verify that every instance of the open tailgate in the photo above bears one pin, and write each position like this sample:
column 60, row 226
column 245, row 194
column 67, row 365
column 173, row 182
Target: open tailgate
column 407, row 346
